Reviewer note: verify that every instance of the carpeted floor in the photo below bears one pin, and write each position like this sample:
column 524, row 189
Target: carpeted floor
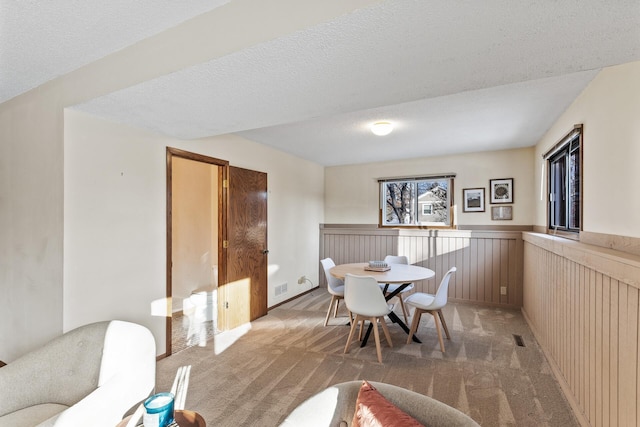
column 255, row 376
column 186, row 331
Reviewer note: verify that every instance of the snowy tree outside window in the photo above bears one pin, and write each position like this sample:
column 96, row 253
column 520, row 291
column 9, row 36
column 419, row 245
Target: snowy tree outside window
column 417, row 201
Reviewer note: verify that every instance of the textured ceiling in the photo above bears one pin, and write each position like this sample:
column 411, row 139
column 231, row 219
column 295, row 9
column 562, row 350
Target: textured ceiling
column 41, row 40
column 454, row 76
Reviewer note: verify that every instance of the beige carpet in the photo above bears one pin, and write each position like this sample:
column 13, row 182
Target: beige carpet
column 187, row 332
column 255, row 376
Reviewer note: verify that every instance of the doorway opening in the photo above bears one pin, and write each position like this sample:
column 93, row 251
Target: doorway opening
column 217, row 253
column 196, row 202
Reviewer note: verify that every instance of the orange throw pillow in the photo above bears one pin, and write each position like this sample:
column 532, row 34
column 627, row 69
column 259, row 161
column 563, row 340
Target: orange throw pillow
column 374, row 410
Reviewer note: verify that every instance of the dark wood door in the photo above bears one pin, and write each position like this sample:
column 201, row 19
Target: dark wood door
column 245, row 290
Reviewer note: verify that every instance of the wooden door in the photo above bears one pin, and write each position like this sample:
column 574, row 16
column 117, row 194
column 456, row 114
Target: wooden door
column 245, row 289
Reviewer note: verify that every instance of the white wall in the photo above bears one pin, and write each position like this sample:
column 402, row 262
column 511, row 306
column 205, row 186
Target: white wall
column 32, row 144
column 115, row 244
column 295, row 207
column 609, row 108
column 114, row 224
column 30, row 224
column 352, row 192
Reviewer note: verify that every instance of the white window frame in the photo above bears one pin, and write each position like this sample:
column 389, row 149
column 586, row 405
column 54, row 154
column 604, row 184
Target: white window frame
column 430, row 206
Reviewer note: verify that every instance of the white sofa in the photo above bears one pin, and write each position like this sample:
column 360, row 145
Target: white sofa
column 90, row 376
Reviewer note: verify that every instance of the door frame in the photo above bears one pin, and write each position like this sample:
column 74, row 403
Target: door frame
column 223, row 176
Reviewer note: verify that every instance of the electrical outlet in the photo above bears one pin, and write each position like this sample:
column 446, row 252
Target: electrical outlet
column 302, row 279
column 503, row 290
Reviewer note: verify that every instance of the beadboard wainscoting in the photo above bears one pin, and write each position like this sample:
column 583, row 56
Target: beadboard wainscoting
column 489, row 262
column 582, row 303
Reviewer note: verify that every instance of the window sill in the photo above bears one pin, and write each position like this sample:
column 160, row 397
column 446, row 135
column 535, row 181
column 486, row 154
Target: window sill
column 564, row 234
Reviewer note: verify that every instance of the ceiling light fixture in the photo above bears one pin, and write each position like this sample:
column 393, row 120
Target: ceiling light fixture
column 381, row 128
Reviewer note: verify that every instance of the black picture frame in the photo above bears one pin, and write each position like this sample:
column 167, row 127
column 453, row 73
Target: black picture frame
column 501, row 190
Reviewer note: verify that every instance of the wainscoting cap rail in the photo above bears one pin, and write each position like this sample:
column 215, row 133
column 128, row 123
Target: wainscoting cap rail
column 364, row 226
column 621, row 266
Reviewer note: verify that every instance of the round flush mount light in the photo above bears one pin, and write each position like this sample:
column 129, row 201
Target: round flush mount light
column 381, row 128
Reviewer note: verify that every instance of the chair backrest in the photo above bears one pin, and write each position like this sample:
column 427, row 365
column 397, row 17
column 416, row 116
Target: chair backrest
column 332, row 281
column 396, row 259
column 442, row 292
column 363, row 295
column 61, row 373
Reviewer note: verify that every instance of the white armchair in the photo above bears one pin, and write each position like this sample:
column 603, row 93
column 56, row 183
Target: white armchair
column 90, row 376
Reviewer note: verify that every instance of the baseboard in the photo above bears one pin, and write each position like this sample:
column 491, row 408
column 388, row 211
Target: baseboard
column 292, row 298
column 485, row 304
column 566, row 390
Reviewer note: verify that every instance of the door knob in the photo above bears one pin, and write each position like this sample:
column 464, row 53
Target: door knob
column 265, row 251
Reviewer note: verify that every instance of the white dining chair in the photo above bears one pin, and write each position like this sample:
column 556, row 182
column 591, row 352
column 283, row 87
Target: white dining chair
column 398, row 259
column 335, row 287
column 364, row 299
column 432, row 304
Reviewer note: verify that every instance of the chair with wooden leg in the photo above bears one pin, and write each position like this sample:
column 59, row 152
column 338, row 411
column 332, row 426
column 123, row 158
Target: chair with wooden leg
column 335, row 287
column 364, row 299
column 432, row 304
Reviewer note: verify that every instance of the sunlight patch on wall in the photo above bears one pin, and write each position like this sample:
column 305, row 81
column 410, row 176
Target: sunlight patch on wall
column 161, row 307
column 272, row 269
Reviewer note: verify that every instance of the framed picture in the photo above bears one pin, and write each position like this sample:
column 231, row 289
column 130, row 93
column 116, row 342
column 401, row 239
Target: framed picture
column 501, row 190
column 473, row 199
column 501, row 212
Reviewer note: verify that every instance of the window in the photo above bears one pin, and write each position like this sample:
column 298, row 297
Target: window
column 564, row 162
column 423, row 201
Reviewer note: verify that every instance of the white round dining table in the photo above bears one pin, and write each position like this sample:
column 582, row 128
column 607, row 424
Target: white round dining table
column 398, row 273
column 401, row 274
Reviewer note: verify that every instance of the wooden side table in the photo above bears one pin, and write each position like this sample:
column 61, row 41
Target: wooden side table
column 183, row 418
column 189, row 419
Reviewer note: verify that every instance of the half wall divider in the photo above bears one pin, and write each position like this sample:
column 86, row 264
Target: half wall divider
column 489, row 262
